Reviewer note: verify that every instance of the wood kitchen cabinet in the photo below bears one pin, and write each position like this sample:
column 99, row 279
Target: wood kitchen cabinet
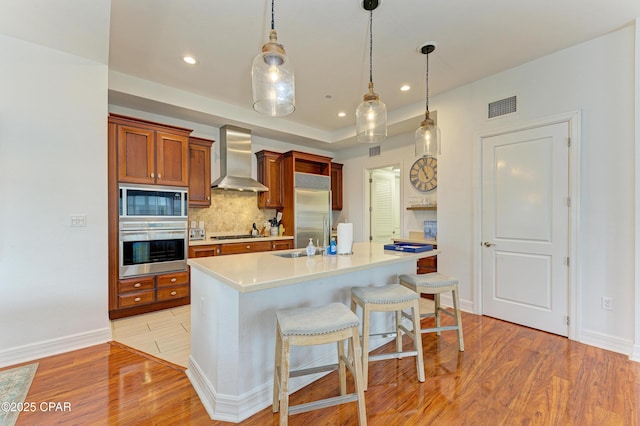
column 151, row 153
column 281, row 244
column 336, row 186
column 199, row 172
column 143, row 152
column 269, row 173
column 298, row 162
column 142, row 294
column 204, row 251
column 426, row 265
column 239, row 248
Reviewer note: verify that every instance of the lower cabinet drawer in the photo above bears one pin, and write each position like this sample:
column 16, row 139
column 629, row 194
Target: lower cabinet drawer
column 138, row 298
column 171, row 279
column 168, row 293
column 136, row 284
column 251, row 247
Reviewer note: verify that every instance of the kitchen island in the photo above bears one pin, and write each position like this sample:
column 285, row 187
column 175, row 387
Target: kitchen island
column 233, row 305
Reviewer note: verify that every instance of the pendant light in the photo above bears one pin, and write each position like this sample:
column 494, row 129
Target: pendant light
column 428, row 135
column 371, row 114
column 272, row 78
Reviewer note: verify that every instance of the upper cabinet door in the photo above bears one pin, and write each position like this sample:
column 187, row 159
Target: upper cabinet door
column 136, row 155
column 199, row 172
column 269, row 174
column 172, row 159
column 336, row 186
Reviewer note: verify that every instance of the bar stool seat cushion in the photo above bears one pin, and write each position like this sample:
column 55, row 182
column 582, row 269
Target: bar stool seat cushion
column 388, row 294
column 434, row 279
column 310, row 321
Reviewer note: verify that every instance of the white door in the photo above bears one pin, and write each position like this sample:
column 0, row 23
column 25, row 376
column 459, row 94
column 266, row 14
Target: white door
column 525, row 227
column 385, row 205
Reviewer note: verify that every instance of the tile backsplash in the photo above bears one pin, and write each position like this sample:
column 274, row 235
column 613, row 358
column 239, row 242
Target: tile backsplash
column 231, row 211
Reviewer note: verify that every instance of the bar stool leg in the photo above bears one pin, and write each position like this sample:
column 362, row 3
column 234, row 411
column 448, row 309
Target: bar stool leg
column 284, row 383
column 456, row 307
column 398, row 319
column 417, row 340
column 436, row 299
column 276, row 373
column 341, row 369
column 365, row 345
column 359, row 379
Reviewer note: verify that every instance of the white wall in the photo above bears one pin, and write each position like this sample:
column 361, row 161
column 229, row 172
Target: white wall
column 596, row 78
column 53, row 163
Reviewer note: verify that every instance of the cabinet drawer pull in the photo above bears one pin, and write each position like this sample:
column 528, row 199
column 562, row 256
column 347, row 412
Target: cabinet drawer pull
column 173, row 280
column 159, row 176
column 137, row 299
column 249, row 246
column 137, row 285
column 152, row 174
column 173, row 293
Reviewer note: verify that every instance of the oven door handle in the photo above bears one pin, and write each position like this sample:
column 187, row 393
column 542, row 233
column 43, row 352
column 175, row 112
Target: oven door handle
column 148, row 235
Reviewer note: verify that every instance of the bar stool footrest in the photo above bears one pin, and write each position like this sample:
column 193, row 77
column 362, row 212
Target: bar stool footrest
column 323, row 403
column 313, row 370
column 392, row 355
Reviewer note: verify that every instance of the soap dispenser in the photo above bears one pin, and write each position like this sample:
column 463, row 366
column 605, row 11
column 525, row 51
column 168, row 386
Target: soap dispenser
column 311, row 249
column 332, row 246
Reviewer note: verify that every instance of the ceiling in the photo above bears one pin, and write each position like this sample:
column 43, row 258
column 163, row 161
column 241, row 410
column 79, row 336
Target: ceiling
column 327, row 42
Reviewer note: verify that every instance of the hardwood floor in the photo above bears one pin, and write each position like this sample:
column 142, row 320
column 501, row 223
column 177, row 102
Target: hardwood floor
column 507, row 375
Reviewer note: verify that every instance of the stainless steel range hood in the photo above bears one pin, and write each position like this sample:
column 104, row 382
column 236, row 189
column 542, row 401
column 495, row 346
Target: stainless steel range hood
column 235, row 161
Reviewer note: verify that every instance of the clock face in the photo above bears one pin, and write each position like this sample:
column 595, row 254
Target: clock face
column 424, row 174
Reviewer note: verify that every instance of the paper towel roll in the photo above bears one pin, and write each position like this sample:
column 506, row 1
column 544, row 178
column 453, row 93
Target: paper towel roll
column 345, row 238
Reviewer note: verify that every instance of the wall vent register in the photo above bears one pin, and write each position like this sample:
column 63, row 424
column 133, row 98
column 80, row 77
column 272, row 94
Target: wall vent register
column 502, row 107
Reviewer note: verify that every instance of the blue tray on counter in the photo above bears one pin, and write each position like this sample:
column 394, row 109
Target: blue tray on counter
column 409, row 247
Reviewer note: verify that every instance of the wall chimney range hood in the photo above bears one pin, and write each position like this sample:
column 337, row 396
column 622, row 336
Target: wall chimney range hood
column 235, row 161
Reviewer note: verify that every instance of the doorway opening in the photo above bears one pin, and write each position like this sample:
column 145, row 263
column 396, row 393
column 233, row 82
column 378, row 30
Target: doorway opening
column 383, row 201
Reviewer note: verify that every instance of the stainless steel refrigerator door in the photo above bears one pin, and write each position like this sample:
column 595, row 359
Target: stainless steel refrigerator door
column 312, row 207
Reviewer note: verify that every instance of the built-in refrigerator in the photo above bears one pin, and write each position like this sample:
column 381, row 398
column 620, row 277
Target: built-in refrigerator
column 312, row 209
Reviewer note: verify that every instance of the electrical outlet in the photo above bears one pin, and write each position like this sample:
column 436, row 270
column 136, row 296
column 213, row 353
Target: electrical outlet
column 606, row 303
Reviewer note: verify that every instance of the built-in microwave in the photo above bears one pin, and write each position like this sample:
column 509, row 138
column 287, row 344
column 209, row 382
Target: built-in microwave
column 153, row 202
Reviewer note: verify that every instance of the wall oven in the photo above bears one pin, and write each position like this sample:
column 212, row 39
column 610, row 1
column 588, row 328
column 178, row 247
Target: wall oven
column 152, row 247
column 153, row 234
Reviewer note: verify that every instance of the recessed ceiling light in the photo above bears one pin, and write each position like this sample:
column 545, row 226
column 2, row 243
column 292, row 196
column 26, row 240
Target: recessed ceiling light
column 342, row 114
column 405, row 88
column 189, row 59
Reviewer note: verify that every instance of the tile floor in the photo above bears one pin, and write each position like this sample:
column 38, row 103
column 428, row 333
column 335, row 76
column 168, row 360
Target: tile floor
column 164, row 334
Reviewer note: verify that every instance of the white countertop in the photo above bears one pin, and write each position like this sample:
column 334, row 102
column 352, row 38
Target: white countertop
column 210, row 241
column 265, row 270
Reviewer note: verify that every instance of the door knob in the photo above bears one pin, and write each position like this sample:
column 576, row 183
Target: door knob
column 488, row 244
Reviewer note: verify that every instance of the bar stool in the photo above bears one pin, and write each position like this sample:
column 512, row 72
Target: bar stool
column 436, row 283
column 388, row 298
column 316, row 326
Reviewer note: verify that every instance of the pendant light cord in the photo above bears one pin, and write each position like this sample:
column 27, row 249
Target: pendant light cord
column 427, row 84
column 371, row 46
column 273, row 26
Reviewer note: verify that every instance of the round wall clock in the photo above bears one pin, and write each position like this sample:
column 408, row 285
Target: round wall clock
column 424, row 174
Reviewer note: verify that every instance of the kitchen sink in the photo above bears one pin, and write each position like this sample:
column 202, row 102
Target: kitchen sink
column 291, row 255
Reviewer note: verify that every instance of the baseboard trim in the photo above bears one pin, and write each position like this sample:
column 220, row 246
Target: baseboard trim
column 605, row 341
column 236, row 408
column 51, row 347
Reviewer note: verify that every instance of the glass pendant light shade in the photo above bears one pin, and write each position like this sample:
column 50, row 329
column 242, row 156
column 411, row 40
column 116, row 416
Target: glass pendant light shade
column 371, row 119
column 371, row 114
column 427, row 138
column 273, row 81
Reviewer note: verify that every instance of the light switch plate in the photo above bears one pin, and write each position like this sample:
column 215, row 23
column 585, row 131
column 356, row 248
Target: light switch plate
column 78, row 220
